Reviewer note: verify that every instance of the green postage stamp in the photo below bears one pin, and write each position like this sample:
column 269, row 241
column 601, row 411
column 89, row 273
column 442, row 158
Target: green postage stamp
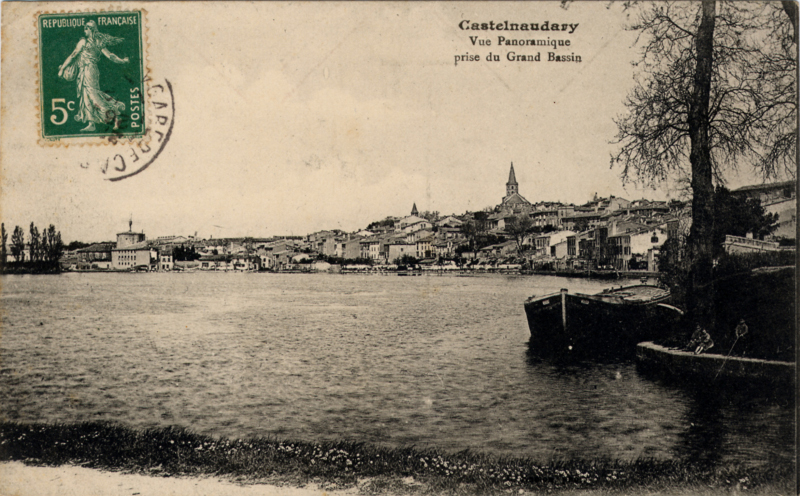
column 91, row 76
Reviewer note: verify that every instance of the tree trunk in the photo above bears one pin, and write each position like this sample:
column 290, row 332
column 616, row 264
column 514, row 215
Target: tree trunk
column 700, row 293
column 790, row 7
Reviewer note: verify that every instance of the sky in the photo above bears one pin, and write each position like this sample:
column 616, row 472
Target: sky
column 297, row 117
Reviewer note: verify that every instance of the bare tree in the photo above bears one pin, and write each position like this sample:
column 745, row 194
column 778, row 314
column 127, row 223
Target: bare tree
column 518, row 228
column 716, row 87
column 751, row 81
column 475, row 228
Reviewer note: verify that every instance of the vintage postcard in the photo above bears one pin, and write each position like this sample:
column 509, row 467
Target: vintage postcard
column 398, row 247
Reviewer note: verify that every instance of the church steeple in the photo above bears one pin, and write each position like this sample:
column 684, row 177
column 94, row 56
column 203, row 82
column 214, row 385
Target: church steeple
column 511, row 186
column 414, row 210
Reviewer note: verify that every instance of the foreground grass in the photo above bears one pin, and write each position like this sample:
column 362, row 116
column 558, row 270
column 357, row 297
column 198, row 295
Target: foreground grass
column 172, row 451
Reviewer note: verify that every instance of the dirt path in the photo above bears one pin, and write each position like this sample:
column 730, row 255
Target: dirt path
column 18, row 479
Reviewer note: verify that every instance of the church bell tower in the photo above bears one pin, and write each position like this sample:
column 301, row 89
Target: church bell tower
column 511, row 186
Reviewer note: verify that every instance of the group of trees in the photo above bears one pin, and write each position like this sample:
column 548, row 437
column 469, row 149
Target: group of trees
column 388, row 222
column 519, row 227
column 183, row 254
column 76, row 245
column 716, row 87
column 385, row 223
column 476, row 231
column 406, row 260
column 739, row 216
column 430, row 216
column 333, row 260
column 43, row 249
column 733, row 215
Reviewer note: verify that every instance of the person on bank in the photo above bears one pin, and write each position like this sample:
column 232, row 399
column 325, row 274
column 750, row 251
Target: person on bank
column 740, row 332
column 701, row 341
column 741, row 329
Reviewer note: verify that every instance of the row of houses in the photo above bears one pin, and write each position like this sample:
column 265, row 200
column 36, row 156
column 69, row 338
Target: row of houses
column 394, row 238
column 608, row 232
column 623, row 246
column 130, row 252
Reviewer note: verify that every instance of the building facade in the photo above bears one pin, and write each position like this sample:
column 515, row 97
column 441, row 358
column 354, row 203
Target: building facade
column 132, row 257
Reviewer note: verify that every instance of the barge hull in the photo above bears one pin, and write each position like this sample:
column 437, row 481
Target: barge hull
column 596, row 325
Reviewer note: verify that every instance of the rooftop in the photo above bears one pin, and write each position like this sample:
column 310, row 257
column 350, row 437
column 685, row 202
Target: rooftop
column 144, row 245
column 97, row 247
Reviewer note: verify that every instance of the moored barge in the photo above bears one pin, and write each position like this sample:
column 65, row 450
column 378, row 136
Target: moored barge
column 609, row 323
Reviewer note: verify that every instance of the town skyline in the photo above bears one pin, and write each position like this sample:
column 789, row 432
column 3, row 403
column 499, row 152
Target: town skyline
column 265, row 144
column 414, row 210
column 602, row 234
column 219, row 233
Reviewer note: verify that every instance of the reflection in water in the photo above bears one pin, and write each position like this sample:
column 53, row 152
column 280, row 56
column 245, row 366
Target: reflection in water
column 426, row 361
column 608, row 407
column 749, row 418
column 700, row 424
column 703, row 436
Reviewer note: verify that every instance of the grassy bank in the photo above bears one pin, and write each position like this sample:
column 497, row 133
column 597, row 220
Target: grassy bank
column 763, row 296
column 30, row 268
column 174, row 451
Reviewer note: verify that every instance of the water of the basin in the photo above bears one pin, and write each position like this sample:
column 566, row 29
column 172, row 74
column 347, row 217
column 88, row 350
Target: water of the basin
column 426, row 361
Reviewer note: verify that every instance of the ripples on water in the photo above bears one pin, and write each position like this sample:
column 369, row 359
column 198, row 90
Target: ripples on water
column 426, row 361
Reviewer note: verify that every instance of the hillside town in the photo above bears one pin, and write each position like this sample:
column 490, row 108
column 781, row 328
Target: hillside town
column 605, row 234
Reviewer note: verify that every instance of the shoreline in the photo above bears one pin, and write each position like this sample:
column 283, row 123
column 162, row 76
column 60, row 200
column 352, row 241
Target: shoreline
column 712, row 367
column 623, row 276
column 341, row 467
column 19, row 479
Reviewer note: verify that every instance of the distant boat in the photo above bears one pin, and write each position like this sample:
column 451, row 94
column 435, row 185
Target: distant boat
column 604, row 274
column 609, row 323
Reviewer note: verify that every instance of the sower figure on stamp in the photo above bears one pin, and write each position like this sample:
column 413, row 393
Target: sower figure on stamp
column 96, row 107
